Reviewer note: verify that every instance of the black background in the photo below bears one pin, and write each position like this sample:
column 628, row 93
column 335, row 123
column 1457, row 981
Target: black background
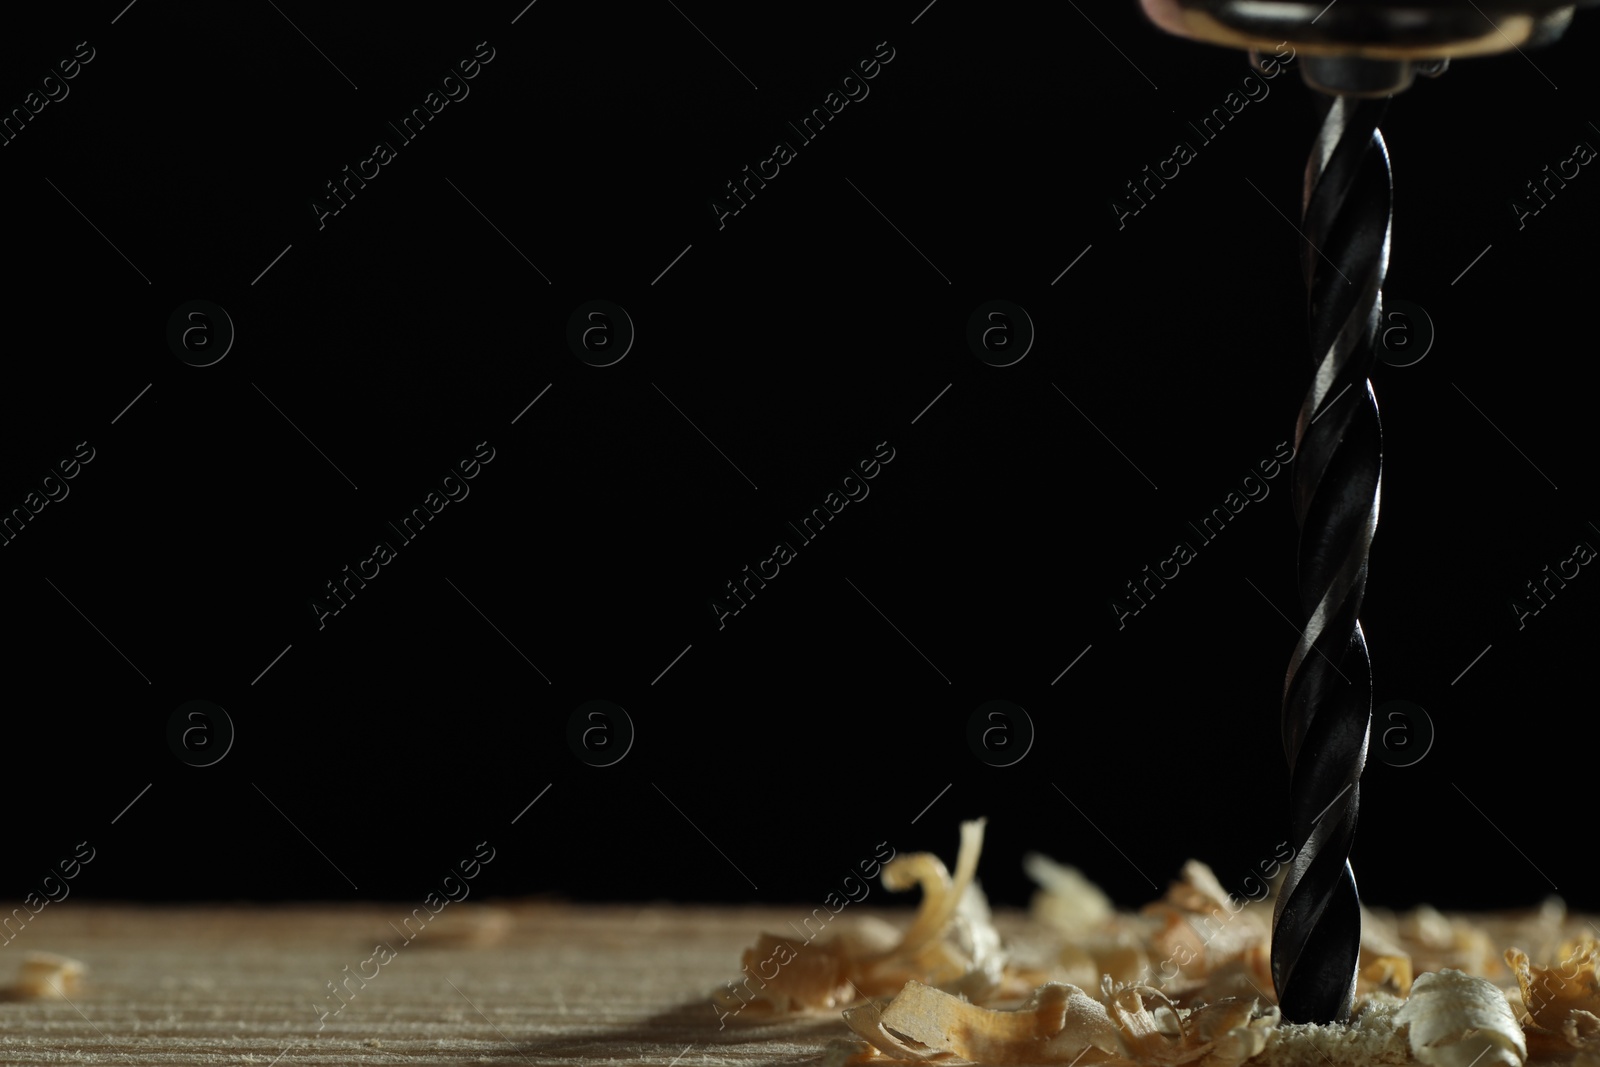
column 779, row 751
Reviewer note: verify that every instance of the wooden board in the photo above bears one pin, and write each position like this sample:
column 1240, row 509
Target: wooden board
column 556, row 984
column 533, row 983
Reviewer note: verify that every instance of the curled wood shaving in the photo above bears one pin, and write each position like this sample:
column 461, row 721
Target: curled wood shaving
column 1205, row 929
column 1061, row 1023
column 1563, row 999
column 1384, row 971
column 1120, row 955
column 973, row 948
column 941, row 894
column 1185, row 982
column 1383, row 962
column 1066, row 900
column 1236, row 1030
column 928, row 1022
column 42, row 973
column 951, row 943
column 469, row 926
column 1458, row 1020
column 784, row 974
column 1427, row 925
column 1221, row 1034
column 1435, row 941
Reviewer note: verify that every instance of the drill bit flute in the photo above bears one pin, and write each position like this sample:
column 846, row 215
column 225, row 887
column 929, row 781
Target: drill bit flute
column 1359, row 53
column 1327, row 698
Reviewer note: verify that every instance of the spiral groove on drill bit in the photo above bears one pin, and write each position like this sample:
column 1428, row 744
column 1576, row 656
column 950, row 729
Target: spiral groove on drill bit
column 1327, row 701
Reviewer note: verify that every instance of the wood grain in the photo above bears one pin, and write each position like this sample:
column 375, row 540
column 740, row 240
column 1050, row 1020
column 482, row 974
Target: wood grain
column 556, row 984
column 529, row 983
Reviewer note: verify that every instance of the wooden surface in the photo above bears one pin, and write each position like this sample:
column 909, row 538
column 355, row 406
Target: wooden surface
column 555, row 984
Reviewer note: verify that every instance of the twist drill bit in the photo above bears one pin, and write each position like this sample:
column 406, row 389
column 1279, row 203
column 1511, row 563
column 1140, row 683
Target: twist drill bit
column 1361, row 51
column 1327, row 698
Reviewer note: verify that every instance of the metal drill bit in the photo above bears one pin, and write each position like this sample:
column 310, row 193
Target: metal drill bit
column 1327, row 699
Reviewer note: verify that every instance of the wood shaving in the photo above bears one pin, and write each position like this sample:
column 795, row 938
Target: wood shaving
column 1061, row 1023
column 1563, row 1000
column 951, row 943
column 1205, row 929
column 1184, row 981
column 1057, row 1023
column 1383, row 963
column 469, row 926
column 1457, row 1020
column 1436, row 942
column 1066, row 899
column 43, row 974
